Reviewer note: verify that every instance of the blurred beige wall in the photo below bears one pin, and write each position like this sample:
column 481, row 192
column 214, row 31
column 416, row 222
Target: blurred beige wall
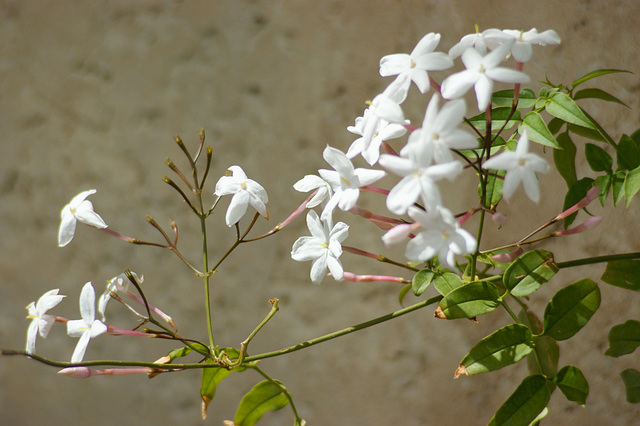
column 91, row 94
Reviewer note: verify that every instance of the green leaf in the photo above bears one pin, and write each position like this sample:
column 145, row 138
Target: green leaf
column 211, row 378
column 631, row 379
column 529, row 271
column 603, row 182
column 597, row 94
column 499, row 116
column 628, row 153
column 565, row 158
column 403, row 292
column 570, row 309
column 593, row 74
column 623, row 338
column 447, row 282
column 468, row 301
column 631, row 185
column 545, row 356
column 555, row 124
column 562, row 106
column 617, row 185
column 526, row 98
column 265, row 396
column 494, row 188
column 599, row 160
column 586, row 133
column 623, row 273
column 421, row 281
column 576, row 193
column 573, row 384
column 537, row 130
column 503, row 347
column 524, row 405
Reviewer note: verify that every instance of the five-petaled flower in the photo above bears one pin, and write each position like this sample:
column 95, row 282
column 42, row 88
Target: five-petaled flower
column 79, row 209
column 345, row 180
column 521, row 49
column 481, row 72
column 415, row 66
column 40, row 321
column 441, row 236
column 521, row 166
column 323, row 247
column 245, row 191
column 88, row 327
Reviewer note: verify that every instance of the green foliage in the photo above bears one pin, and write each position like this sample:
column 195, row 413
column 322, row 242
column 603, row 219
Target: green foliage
column 576, row 193
column 573, row 384
column 499, row 117
column 493, row 188
column 624, row 338
column 469, row 301
column 528, row 272
column 565, row 158
column 265, row 396
column 446, row 282
column 623, row 273
column 526, row 98
column 524, row 405
column 503, row 347
column 570, row 309
column 560, row 105
column 537, row 130
column 631, row 379
column 421, row 281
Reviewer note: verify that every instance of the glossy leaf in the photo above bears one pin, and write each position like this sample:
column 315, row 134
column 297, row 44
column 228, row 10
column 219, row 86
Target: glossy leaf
column 468, row 301
column 628, row 153
column 562, row 106
column 403, row 292
column 593, row 74
column 493, row 188
column 526, row 98
column 537, row 130
column 624, row 338
column 211, row 378
column 555, row 124
column 599, row 160
column 499, row 117
column 524, row 405
column 447, row 282
column 603, row 182
column 631, row 379
column 572, row 384
column 265, row 396
column 617, row 186
column 570, row 309
column 503, row 347
column 593, row 93
column 565, row 158
column 529, row 271
column 623, row 274
column 586, row 133
column 631, row 185
column 576, row 193
column 421, row 281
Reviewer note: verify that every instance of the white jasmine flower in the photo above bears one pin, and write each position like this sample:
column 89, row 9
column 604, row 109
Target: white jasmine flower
column 323, row 247
column 415, row 66
column 521, row 166
column 88, row 327
column 481, row 72
column 116, row 284
column 311, row 182
column 370, row 150
column 440, row 133
column 81, row 210
column 441, row 236
column 40, row 321
column 345, row 180
column 245, row 191
column 522, row 50
column 384, row 108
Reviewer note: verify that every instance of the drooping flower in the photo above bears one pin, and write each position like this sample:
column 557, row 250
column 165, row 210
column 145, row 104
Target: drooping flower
column 521, row 166
column 311, row 182
column 79, row 209
column 440, row 133
column 415, row 66
column 345, row 180
column 441, row 236
column 41, row 322
column 323, row 247
column 88, row 327
column 522, row 48
column 370, row 150
column 245, row 191
column 116, row 284
column 481, row 72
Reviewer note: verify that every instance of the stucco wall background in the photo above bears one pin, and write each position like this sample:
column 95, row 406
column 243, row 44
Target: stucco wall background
column 91, row 94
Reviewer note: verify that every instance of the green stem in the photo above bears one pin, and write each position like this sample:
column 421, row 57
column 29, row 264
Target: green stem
column 511, row 313
column 598, row 259
column 206, row 276
column 345, row 331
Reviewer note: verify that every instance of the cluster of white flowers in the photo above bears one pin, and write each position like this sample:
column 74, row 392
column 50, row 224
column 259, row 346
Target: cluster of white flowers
column 427, row 156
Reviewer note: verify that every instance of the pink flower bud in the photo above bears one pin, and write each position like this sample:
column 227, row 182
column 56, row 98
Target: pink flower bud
column 507, row 257
column 587, row 224
column 499, row 219
column 397, row 234
column 592, row 194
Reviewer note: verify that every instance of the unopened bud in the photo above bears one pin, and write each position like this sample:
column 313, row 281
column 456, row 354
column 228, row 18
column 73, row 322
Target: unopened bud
column 499, row 219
